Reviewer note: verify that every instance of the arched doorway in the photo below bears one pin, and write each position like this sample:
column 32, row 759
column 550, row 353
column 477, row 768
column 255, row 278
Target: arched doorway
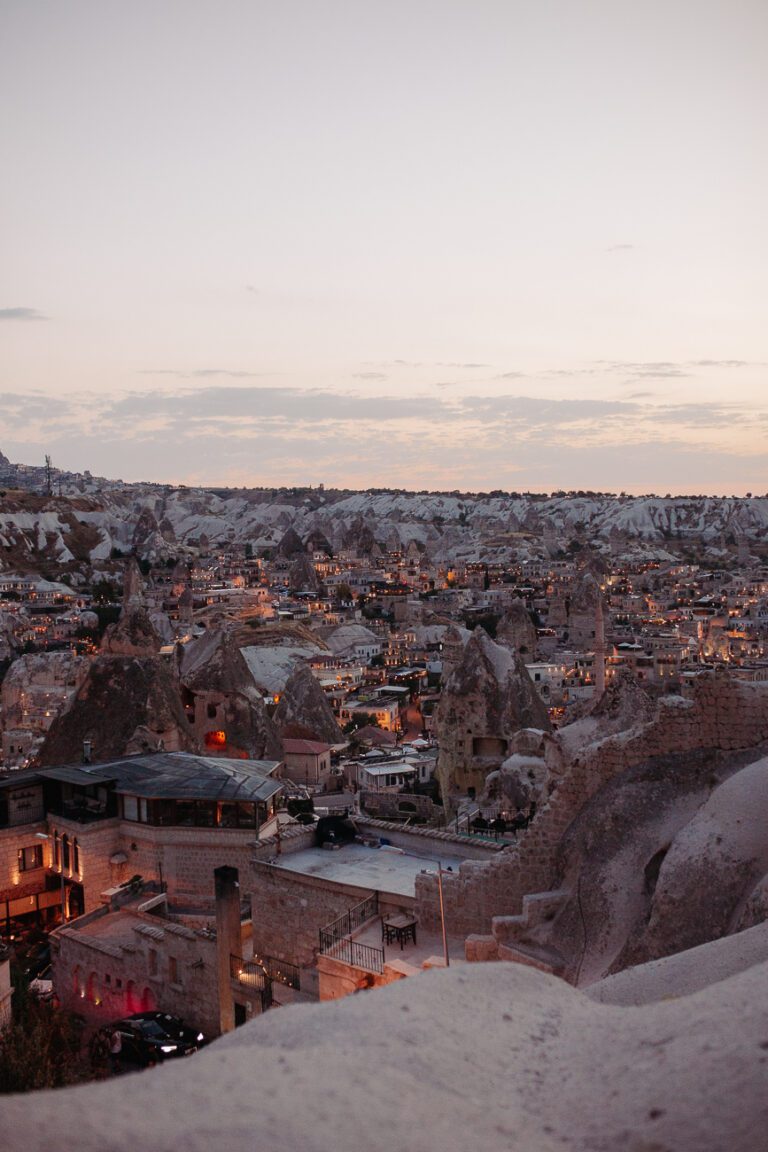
column 132, row 1002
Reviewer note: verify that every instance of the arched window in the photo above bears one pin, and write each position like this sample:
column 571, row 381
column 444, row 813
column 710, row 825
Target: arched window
column 65, row 855
column 75, row 857
column 56, row 851
column 131, row 1000
column 148, row 1002
column 77, row 982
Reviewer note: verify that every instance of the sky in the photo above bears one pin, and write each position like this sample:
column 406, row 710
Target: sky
column 474, row 244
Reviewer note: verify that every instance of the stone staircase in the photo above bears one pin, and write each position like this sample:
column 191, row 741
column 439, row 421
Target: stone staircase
column 521, row 939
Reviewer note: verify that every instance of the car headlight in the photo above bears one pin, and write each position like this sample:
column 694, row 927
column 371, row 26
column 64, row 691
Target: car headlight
column 168, row 1047
column 200, row 1036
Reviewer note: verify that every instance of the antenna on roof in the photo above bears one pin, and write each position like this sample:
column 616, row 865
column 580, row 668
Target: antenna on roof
column 48, row 476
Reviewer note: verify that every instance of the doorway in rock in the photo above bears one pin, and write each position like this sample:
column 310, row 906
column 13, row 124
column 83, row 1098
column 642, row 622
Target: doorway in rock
column 240, row 1014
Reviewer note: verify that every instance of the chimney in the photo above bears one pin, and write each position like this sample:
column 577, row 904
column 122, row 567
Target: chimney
column 228, row 939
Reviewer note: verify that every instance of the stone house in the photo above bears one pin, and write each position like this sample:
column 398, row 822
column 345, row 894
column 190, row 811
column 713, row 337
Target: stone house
column 69, row 833
column 306, row 762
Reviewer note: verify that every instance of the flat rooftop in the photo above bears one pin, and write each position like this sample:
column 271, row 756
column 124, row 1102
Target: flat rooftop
column 385, row 869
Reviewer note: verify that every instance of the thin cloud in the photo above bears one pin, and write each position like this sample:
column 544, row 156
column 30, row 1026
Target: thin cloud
column 645, row 369
column 572, row 371
column 202, row 373
column 370, row 376
column 699, row 415
column 463, row 364
column 621, row 248
column 662, row 374
column 208, row 432
column 23, row 314
column 719, row 363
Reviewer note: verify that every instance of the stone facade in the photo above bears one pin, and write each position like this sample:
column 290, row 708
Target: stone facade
column 144, row 963
column 110, row 852
column 722, row 714
column 337, row 979
column 487, row 699
column 289, row 909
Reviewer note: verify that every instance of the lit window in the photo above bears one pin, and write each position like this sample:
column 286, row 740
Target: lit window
column 30, row 858
column 216, row 739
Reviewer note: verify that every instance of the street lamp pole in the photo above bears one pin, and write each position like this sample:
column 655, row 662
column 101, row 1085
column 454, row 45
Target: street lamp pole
column 442, row 912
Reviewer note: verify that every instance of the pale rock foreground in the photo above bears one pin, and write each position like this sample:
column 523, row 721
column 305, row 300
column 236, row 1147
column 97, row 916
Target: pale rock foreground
column 494, row 1056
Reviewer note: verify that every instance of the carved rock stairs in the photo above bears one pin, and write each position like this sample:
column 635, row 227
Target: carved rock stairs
column 522, row 939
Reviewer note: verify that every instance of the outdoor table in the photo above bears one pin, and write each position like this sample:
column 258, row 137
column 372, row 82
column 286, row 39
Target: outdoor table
column 399, row 927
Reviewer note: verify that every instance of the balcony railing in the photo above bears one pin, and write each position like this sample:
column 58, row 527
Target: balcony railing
column 280, row 971
column 253, row 976
column 335, row 938
column 350, row 952
column 350, row 921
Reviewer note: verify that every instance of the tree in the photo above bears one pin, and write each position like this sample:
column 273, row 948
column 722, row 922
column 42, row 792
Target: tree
column 361, row 720
column 42, row 1048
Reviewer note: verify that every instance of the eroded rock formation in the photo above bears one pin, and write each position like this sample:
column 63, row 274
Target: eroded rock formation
column 487, row 699
column 304, row 705
column 227, row 710
column 125, row 704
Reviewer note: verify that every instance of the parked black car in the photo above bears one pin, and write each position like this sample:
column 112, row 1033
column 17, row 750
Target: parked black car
column 150, row 1037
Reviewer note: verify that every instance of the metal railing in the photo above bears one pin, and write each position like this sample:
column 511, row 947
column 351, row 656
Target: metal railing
column 280, row 971
column 335, row 938
column 252, row 975
column 350, row 952
column 350, row 921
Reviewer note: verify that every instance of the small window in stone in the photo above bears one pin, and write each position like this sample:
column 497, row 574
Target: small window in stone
column 30, row 858
column 211, row 710
column 152, row 959
column 118, row 983
column 173, row 970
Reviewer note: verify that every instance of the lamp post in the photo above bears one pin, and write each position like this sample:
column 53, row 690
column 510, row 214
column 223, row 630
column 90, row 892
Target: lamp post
column 46, row 836
column 442, row 912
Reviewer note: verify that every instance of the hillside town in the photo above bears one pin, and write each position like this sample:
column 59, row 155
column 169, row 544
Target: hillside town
column 366, row 736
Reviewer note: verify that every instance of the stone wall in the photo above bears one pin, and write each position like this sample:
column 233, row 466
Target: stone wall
column 337, row 979
column 106, row 978
column 15, row 884
column 288, row 910
column 428, row 842
column 723, row 714
column 96, row 844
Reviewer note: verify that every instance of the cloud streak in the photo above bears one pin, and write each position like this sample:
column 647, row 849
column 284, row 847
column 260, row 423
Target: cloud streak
column 21, row 314
column 202, row 373
column 216, row 432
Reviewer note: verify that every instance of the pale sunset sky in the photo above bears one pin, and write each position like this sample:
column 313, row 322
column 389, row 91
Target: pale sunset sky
column 470, row 244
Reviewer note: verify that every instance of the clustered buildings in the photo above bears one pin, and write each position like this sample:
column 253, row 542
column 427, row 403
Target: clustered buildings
column 122, row 852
